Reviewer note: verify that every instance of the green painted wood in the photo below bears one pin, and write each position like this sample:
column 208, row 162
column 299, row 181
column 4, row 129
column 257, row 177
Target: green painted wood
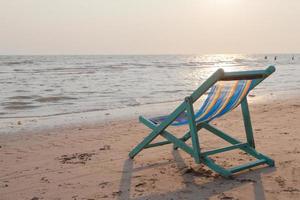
column 220, row 133
column 251, row 151
column 246, row 148
column 206, row 85
column 147, row 122
column 247, row 123
column 193, row 129
column 157, row 144
column 171, row 139
column 248, row 75
column 268, row 71
column 244, row 75
column 217, row 168
column 224, row 149
column 157, row 130
column 184, row 138
column 258, row 75
column 199, row 126
column 178, row 143
column 247, row 166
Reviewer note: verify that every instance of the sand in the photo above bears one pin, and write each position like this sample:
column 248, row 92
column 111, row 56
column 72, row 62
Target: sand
column 91, row 162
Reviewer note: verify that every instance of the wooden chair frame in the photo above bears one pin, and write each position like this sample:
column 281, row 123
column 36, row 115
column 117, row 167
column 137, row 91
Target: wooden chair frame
column 194, row 150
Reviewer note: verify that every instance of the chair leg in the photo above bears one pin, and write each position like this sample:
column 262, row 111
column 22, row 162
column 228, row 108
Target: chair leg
column 193, row 130
column 247, row 123
column 170, row 139
column 258, row 155
column 155, row 132
column 143, row 144
column 217, row 168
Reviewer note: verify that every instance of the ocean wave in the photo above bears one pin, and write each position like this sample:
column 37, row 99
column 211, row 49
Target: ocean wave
column 66, row 84
column 21, row 97
column 20, row 107
column 54, row 99
column 168, row 91
column 12, row 63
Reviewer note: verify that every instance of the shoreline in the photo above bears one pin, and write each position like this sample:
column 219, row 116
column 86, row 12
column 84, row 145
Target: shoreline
column 91, row 161
column 24, row 125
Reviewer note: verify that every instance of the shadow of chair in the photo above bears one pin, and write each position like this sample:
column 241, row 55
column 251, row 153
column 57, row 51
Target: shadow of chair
column 191, row 189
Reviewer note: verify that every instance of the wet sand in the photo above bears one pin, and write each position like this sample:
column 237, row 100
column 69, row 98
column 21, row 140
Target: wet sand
column 91, row 162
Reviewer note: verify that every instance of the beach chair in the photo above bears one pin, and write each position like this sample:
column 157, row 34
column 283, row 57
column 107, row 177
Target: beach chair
column 227, row 91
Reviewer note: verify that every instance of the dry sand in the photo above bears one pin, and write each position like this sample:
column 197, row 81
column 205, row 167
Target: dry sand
column 92, row 163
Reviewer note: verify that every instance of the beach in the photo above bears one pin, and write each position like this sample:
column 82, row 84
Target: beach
column 91, row 161
column 104, row 100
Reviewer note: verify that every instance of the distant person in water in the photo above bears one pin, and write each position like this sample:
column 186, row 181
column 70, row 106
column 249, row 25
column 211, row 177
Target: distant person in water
column 266, row 57
column 275, row 58
column 293, row 58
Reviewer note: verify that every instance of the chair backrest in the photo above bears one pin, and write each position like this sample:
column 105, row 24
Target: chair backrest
column 227, row 90
column 223, row 97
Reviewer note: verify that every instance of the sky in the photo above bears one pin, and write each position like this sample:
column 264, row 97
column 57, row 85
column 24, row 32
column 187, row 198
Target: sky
column 149, row 26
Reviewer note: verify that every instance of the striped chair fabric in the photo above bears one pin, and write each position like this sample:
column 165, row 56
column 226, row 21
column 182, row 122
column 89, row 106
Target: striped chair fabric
column 223, row 97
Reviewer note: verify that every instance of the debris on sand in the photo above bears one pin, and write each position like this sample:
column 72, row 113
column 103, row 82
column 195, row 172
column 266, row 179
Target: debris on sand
column 103, row 184
column 117, row 193
column 76, row 158
column 45, row 180
column 140, row 184
column 280, row 181
column 284, row 133
column 223, row 196
column 199, row 171
column 105, row 147
column 291, row 189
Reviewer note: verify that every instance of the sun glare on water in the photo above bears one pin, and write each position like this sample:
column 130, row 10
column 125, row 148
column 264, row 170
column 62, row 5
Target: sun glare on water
column 208, row 64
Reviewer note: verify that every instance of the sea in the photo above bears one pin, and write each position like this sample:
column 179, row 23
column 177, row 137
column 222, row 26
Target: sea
column 52, row 90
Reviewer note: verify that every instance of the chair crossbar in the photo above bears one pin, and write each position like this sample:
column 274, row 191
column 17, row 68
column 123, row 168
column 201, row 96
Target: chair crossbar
column 170, row 138
column 215, row 167
column 184, row 138
column 178, row 143
column 229, row 76
column 224, row 149
column 247, row 166
column 157, row 144
column 220, row 133
column 243, row 75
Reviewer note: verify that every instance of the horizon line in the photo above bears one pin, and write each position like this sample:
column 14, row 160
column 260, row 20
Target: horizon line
column 162, row 54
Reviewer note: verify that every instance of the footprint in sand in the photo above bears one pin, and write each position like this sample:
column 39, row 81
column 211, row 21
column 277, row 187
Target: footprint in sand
column 139, row 187
column 103, row 184
column 45, row 180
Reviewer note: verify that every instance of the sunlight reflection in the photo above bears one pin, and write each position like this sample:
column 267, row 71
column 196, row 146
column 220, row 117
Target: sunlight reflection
column 207, row 64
